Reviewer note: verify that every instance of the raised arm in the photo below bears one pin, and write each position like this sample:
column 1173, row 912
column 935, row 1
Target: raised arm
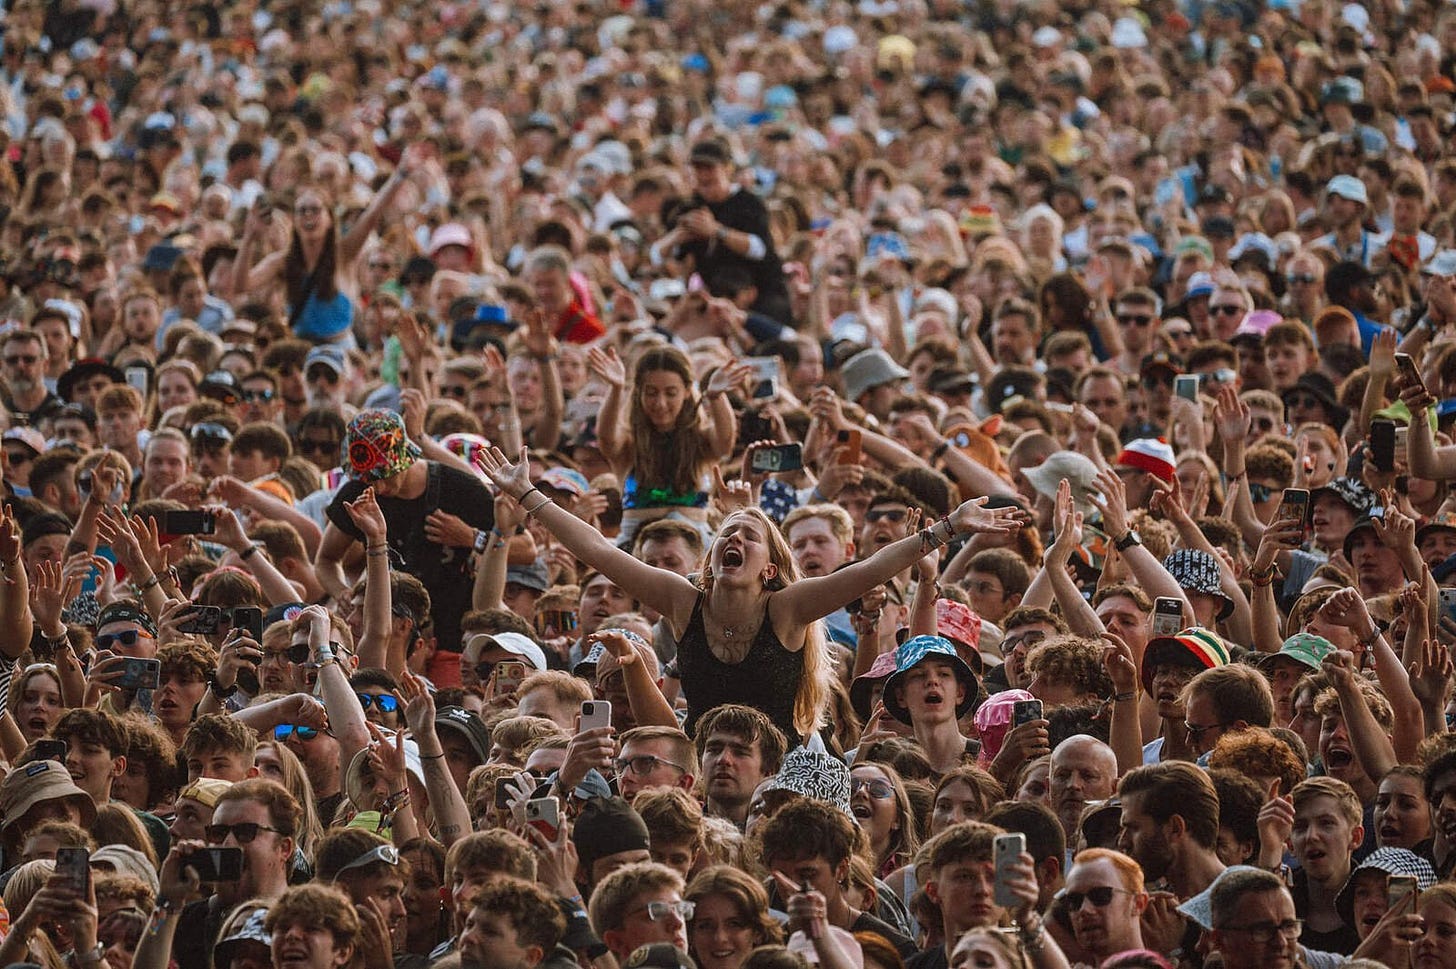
column 1168, row 500
column 277, row 589
column 346, row 716
column 814, row 598
column 649, row 706
column 490, row 571
column 612, row 434
column 447, row 802
column 353, row 242
column 1371, row 744
column 1347, row 608
column 1080, row 615
column 667, row 592
column 1149, row 572
column 373, row 642
column 722, row 425
column 543, row 348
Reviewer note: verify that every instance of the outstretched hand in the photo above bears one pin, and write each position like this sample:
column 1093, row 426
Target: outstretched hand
column 974, row 517
column 512, row 477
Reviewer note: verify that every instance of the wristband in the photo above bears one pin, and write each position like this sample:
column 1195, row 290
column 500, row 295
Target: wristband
column 156, row 581
column 944, row 446
column 1127, row 541
column 248, row 553
column 1124, row 697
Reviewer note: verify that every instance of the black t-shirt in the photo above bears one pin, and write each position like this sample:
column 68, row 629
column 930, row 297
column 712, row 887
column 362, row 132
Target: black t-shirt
column 903, row 943
column 743, row 212
column 445, row 572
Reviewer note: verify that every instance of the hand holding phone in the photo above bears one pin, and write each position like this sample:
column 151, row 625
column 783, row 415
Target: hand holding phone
column 1006, row 851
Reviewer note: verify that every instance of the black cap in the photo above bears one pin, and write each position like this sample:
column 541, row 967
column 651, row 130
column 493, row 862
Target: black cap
column 711, row 150
column 607, row 826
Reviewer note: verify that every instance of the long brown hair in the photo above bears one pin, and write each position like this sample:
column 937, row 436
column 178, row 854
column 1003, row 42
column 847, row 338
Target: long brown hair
column 675, row 458
column 295, row 270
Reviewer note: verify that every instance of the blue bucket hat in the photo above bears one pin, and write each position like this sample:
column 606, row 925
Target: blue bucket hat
column 911, row 654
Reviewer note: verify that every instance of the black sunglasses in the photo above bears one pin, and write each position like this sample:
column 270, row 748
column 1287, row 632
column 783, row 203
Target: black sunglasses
column 244, row 832
column 886, row 515
column 1101, row 896
column 1259, row 493
column 1134, row 319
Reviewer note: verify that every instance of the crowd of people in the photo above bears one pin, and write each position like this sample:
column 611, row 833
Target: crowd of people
column 883, row 485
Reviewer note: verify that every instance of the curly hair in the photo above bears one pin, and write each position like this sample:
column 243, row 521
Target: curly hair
column 1073, row 661
column 531, row 910
column 314, row 904
column 190, row 658
column 1256, row 752
column 1327, row 704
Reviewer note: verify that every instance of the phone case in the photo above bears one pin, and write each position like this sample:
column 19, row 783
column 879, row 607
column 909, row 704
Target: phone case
column 596, row 713
column 1007, row 849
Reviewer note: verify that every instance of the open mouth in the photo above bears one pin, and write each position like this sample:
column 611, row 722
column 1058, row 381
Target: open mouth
column 1338, row 758
column 38, row 724
column 1313, row 856
column 861, row 812
column 732, row 558
column 1389, row 832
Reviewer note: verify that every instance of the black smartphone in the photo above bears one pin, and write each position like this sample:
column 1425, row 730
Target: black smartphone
column 1382, row 445
column 202, row 621
column 502, row 793
column 139, row 674
column 74, row 864
column 250, row 620
column 217, row 864
column 780, row 457
column 189, row 522
column 48, row 749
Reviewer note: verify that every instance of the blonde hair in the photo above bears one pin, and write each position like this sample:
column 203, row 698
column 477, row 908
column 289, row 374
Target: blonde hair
column 813, row 695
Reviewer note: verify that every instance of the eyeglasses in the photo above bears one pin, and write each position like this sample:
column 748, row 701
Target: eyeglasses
column 895, row 516
column 1134, row 319
column 1303, row 400
column 1295, row 279
column 326, row 374
column 1259, row 493
column 283, row 731
column 244, row 832
column 258, row 396
column 879, row 790
column 385, row 702
column 1012, row 643
column 984, row 588
column 656, row 911
column 644, row 764
column 454, row 390
column 388, row 854
column 19, row 358
column 1228, row 309
column 1101, row 897
column 127, row 638
column 315, row 446
column 298, row 655
column 1195, row 730
column 1266, row 932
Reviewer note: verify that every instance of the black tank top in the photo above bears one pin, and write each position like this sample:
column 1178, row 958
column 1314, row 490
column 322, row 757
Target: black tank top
column 767, row 679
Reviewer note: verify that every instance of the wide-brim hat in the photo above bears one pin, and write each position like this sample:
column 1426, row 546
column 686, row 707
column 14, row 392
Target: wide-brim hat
column 1070, row 466
column 82, row 369
column 863, row 686
column 1358, row 498
column 867, row 370
column 911, row 654
column 811, row 771
column 1391, row 861
column 41, row 780
column 1306, row 649
column 1195, row 646
column 1197, row 571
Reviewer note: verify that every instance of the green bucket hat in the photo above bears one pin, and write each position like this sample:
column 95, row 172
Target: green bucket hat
column 1306, row 649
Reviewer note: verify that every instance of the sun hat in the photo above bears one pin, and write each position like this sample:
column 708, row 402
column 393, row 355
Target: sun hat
column 911, row 654
column 867, row 370
column 993, row 720
column 1195, row 646
column 1197, row 571
column 252, row 930
column 41, row 780
column 376, row 446
column 1306, row 649
column 126, row 860
column 1391, row 861
column 863, row 686
column 812, row 772
column 1352, row 492
column 1070, row 466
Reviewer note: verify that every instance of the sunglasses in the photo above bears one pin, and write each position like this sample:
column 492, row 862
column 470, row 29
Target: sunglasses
column 127, row 638
column 385, row 702
column 1101, row 897
column 297, row 655
column 388, row 854
column 316, row 374
column 244, row 832
column 1228, row 309
column 1134, row 319
column 454, row 390
column 1259, row 493
column 894, row 516
column 556, row 620
column 319, row 447
column 879, row 790
column 1305, row 278
column 1304, row 400
column 283, row 731
column 18, row 358
column 18, row 457
column 258, row 396
column 207, row 430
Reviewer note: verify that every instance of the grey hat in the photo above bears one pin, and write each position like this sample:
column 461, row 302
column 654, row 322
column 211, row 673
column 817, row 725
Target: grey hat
column 867, row 370
column 252, row 930
column 126, row 860
column 1442, row 263
column 1199, row 908
column 812, row 772
column 1197, row 571
column 533, row 576
column 1075, row 468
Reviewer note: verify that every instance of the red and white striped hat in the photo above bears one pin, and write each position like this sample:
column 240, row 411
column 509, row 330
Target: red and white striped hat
column 1151, row 454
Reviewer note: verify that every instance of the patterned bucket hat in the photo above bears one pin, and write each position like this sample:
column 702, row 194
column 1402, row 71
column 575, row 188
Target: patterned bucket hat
column 1194, row 646
column 911, row 654
column 811, row 771
column 1392, row 861
column 377, row 447
column 1197, row 571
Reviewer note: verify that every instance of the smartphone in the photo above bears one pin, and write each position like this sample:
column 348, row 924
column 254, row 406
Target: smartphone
column 765, row 376
column 1167, row 616
column 1448, row 603
column 780, row 457
column 1410, row 374
column 1382, row 445
column 217, row 864
column 74, row 864
column 137, row 377
column 48, row 749
column 1397, row 889
column 1185, row 385
column 1294, row 506
column 852, row 438
column 1005, row 852
column 139, row 674
column 202, row 621
column 502, row 793
column 249, row 619
column 188, row 523
column 508, row 677
column 544, row 814
column 594, row 714
column 1025, row 711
